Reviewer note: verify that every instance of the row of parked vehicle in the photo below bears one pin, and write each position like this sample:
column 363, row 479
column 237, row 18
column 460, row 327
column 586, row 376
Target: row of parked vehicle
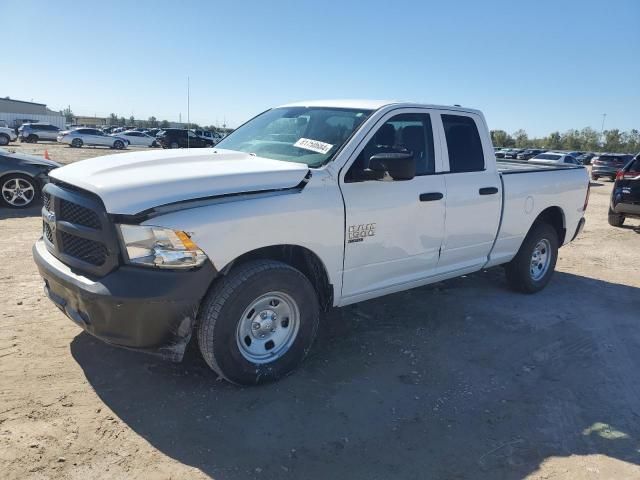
column 604, row 164
column 112, row 137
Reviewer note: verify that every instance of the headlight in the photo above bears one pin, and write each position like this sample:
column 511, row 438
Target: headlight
column 160, row 247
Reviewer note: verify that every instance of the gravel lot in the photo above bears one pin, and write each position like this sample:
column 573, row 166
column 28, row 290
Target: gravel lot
column 463, row 379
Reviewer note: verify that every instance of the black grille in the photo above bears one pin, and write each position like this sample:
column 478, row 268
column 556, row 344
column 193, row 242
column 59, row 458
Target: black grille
column 74, row 213
column 46, row 199
column 84, row 249
column 47, row 232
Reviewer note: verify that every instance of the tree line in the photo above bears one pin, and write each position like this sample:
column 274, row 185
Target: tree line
column 587, row 139
column 151, row 122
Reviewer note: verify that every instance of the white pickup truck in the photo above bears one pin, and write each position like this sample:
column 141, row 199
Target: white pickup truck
column 304, row 207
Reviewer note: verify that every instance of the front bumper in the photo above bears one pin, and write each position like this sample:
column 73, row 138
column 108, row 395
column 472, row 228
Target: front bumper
column 134, row 307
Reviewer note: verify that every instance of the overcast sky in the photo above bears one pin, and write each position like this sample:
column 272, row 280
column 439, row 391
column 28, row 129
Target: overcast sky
column 541, row 66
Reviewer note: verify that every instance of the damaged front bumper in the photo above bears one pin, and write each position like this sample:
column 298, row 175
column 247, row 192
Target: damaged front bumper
column 133, row 307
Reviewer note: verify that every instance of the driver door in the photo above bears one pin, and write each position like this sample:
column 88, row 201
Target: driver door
column 394, row 228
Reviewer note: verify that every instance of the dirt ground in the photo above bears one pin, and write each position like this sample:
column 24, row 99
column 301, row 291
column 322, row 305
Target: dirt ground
column 459, row 380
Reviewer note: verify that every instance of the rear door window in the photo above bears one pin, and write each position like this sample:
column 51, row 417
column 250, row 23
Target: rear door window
column 463, row 143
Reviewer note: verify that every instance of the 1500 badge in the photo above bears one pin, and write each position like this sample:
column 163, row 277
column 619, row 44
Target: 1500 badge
column 357, row 233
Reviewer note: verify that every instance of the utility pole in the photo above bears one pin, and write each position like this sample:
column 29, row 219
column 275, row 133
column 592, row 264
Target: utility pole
column 604, row 117
column 188, row 109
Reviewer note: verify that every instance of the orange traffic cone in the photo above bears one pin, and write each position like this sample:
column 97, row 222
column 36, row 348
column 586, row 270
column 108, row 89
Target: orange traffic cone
column 46, row 155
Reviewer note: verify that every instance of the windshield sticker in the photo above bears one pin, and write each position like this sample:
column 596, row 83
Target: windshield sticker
column 313, row 145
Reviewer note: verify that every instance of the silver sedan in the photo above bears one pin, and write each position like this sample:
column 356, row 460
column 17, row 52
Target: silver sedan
column 91, row 136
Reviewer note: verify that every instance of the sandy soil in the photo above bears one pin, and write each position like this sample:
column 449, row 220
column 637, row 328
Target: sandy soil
column 462, row 380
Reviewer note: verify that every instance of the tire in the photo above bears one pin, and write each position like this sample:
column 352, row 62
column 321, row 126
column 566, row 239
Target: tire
column 233, row 303
column 615, row 219
column 32, row 139
column 522, row 275
column 174, row 145
column 594, row 177
column 4, row 139
column 77, row 143
column 118, row 144
column 27, row 186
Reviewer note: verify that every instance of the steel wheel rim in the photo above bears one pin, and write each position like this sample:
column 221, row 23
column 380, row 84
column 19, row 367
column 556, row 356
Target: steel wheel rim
column 18, row 192
column 268, row 327
column 540, row 259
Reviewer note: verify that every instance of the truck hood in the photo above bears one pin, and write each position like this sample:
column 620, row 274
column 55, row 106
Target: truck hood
column 129, row 183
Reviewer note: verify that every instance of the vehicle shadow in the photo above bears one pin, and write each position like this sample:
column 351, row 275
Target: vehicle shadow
column 32, row 211
column 461, row 379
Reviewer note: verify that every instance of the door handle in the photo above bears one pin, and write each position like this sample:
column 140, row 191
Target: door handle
column 431, row 197
column 488, row 190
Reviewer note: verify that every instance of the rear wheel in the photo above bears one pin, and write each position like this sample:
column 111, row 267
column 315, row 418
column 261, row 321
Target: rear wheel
column 615, row 219
column 258, row 322
column 532, row 268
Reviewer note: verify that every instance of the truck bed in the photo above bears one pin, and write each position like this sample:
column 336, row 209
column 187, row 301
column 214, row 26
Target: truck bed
column 507, row 167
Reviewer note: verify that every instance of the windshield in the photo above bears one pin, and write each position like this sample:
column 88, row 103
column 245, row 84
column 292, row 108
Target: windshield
column 310, row 135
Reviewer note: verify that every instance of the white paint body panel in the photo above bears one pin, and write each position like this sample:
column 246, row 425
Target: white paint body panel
column 415, row 243
column 129, row 183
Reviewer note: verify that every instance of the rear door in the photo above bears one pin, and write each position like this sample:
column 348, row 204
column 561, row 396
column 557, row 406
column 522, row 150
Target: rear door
column 474, row 191
column 394, row 228
column 629, row 185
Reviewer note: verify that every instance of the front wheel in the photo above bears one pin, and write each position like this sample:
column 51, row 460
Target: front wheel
column 532, row 267
column 18, row 191
column 258, row 322
column 118, row 144
column 615, row 219
column 77, row 143
column 4, row 140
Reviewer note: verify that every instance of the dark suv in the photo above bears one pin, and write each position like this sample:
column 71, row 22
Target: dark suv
column 530, row 153
column 625, row 198
column 607, row 165
column 181, row 138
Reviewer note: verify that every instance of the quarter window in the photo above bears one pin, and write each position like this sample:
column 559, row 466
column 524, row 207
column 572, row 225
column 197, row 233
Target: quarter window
column 463, row 143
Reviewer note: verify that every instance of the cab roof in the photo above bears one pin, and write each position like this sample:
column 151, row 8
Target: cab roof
column 364, row 104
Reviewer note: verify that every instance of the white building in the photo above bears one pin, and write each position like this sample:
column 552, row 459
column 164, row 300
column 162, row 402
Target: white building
column 16, row 112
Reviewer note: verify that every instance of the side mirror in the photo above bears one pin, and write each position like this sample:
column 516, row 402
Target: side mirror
column 399, row 166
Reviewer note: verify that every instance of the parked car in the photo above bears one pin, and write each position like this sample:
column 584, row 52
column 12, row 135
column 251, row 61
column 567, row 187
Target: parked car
column 513, row 153
column 181, row 138
column 92, row 137
column 153, row 131
column 304, row 207
column 558, row 158
column 529, row 153
column 137, row 138
column 207, row 135
column 34, row 132
column 500, row 153
column 22, row 177
column 625, row 196
column 585, row 158
column 607, row 165
column 7, row 135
